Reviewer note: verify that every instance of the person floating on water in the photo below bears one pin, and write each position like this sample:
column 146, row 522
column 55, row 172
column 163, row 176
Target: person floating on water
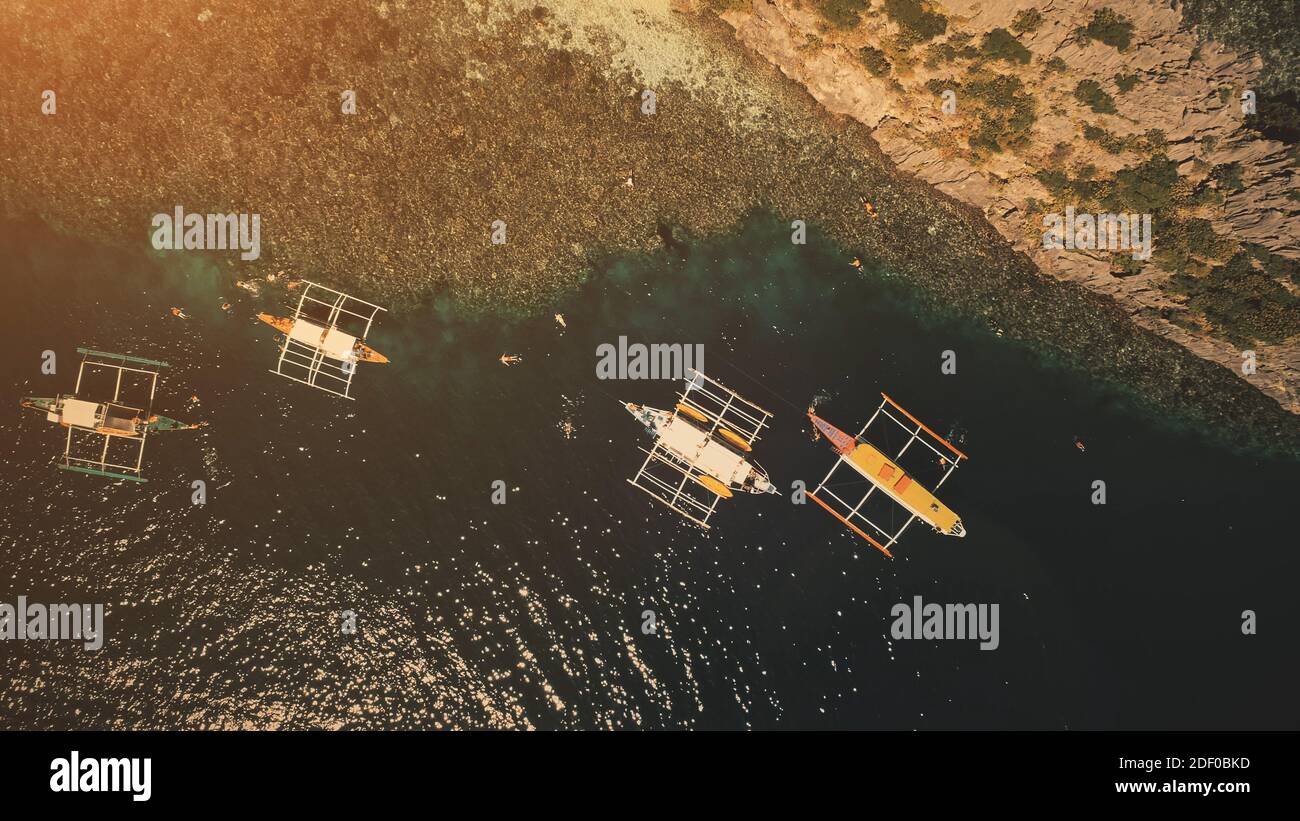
column 1078, row 443
column 509, row 359
column 856, row 263
column 560, row 319
column 178, row 312
column 869, row 208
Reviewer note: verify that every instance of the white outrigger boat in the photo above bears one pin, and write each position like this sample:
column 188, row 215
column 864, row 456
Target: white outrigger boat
column 700, row 453
column 124, row 428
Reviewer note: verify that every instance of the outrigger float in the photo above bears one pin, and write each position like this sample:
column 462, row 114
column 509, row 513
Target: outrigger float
column 316, row 350
column 885, row 476
column 111, row 419
column 701, row 448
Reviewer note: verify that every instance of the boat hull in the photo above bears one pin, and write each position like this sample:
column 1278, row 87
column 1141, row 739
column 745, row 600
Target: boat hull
column 726, row 470
column 899, row 486
column 363, row 352
column 50, row 406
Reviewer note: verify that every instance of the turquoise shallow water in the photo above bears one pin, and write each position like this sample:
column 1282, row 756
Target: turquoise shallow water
column 530, row 613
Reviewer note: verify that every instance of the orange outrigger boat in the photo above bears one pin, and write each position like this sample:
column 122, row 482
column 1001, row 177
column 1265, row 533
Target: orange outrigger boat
column 314, row 349
column 886, row 476
column 362, row 351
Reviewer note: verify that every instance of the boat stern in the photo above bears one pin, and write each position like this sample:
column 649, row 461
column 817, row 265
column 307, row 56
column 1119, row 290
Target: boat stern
column 163, row 423
column 365, row 353
column 41, row 404
column 756, row 480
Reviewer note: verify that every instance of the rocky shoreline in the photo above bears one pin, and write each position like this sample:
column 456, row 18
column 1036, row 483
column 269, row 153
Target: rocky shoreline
column 1182, row 89
column 529, row 113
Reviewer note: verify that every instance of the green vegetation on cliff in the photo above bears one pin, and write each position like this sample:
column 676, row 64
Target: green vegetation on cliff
column 1126, row 82
column 916, row 22
column 1237, row 290
column 1269, row 27
column 1109, row 27
column 875, row 60
column 842, row 14
column 1091, row 94
column 1000, row 44
column 1243, row 300
column 1027, row 21
column 1004, row 111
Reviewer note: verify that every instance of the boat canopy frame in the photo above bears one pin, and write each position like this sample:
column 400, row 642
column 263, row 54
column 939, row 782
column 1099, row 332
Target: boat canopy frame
column 723, row 407
column 672, row 481
column 850, row 513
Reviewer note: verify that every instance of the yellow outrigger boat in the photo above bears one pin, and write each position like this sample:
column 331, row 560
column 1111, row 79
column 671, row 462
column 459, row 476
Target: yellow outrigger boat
column 887, row 477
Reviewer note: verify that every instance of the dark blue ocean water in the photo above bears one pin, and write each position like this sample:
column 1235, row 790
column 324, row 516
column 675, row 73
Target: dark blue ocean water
column 530, row 613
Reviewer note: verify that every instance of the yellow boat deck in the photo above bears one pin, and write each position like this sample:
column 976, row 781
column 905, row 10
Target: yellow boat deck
column 894, row 481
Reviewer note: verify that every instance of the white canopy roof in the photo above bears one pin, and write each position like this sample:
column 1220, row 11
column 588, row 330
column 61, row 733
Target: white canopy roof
column 308, row 333
column 332, row 342
column 338, row 345
column 708, row 455
column 80, row 413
